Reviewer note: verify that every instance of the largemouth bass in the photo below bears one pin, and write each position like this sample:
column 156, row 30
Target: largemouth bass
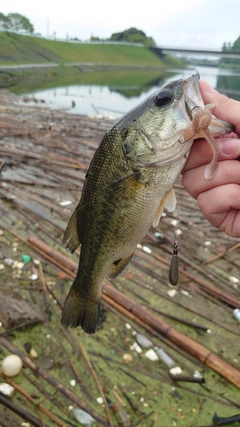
column 127, row 186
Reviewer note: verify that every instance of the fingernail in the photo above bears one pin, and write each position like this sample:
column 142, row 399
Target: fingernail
column 229, row 146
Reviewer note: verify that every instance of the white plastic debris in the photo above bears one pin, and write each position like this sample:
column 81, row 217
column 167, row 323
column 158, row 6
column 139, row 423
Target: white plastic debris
column 208, row 243
column 65, row 203
column 11, row 365
column 147, row 249
column 33, row 276
column 233, row 279
column 178, row 231
column 171, row 293
column 151, row 355
column 99, row 400
column 158, row 235
column 197, row 374
column 6, row 389
column 136, row 348
column 128, row 326
column 176, row 370
column 8, row 261
column 236, row 314
column 73, row 383
column 17, row 264
column 163, row 356
column 143, row 341
column 83, row 417
column 174, row 222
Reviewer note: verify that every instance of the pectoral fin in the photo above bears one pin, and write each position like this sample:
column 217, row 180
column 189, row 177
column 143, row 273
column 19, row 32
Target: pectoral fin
column 118, row 266
column 169, row 202
column 71, row 239
column 129, row 186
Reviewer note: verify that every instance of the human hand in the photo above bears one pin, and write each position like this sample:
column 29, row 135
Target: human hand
column 219, row 197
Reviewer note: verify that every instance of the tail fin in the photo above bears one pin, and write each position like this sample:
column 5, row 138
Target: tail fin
column 81, row 311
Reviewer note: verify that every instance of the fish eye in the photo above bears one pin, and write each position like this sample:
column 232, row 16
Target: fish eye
column 163, row 98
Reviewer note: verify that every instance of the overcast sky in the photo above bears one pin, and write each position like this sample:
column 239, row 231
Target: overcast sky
column 193, row 23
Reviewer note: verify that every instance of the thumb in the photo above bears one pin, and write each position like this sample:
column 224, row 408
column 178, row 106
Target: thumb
column 225, row 108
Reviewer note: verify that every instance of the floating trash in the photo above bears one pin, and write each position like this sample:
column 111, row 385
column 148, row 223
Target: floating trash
column 151, row 355
column 65, row 203
column 83, row 417
column 26, row 258
column 136, row 347
column 6, row 389
column 127, row 358
column 11, row 365
column 236, row 314
column 146, row 249
column 143, row 341
column 163, row 356
column 176, row 370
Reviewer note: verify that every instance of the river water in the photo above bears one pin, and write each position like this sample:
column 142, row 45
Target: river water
column 113, row 101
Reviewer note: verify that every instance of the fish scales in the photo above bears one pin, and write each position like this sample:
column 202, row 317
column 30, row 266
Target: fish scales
column 128, row 183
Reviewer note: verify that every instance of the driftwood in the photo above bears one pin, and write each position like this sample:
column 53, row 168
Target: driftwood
column 15, row 311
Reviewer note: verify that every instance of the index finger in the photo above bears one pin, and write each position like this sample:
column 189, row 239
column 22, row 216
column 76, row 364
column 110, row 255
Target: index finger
column 225, row 108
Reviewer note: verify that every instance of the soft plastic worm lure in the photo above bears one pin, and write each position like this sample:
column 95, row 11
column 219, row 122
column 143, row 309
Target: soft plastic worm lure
column 201, row 118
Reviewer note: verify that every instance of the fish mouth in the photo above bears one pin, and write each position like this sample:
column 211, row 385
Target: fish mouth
column 193, row 99
column 191, row 94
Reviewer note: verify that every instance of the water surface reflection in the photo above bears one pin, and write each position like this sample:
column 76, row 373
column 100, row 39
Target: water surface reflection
column 115, row 97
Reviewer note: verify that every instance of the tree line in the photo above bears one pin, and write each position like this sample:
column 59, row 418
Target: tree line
column 15, row 22
column 228, row 47
column 131, row 35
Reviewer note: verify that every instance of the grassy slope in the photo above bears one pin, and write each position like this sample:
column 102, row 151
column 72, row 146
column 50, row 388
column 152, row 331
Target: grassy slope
column 16, row 49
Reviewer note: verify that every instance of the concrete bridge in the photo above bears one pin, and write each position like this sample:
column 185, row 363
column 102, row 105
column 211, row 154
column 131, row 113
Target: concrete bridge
column 161, row 51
